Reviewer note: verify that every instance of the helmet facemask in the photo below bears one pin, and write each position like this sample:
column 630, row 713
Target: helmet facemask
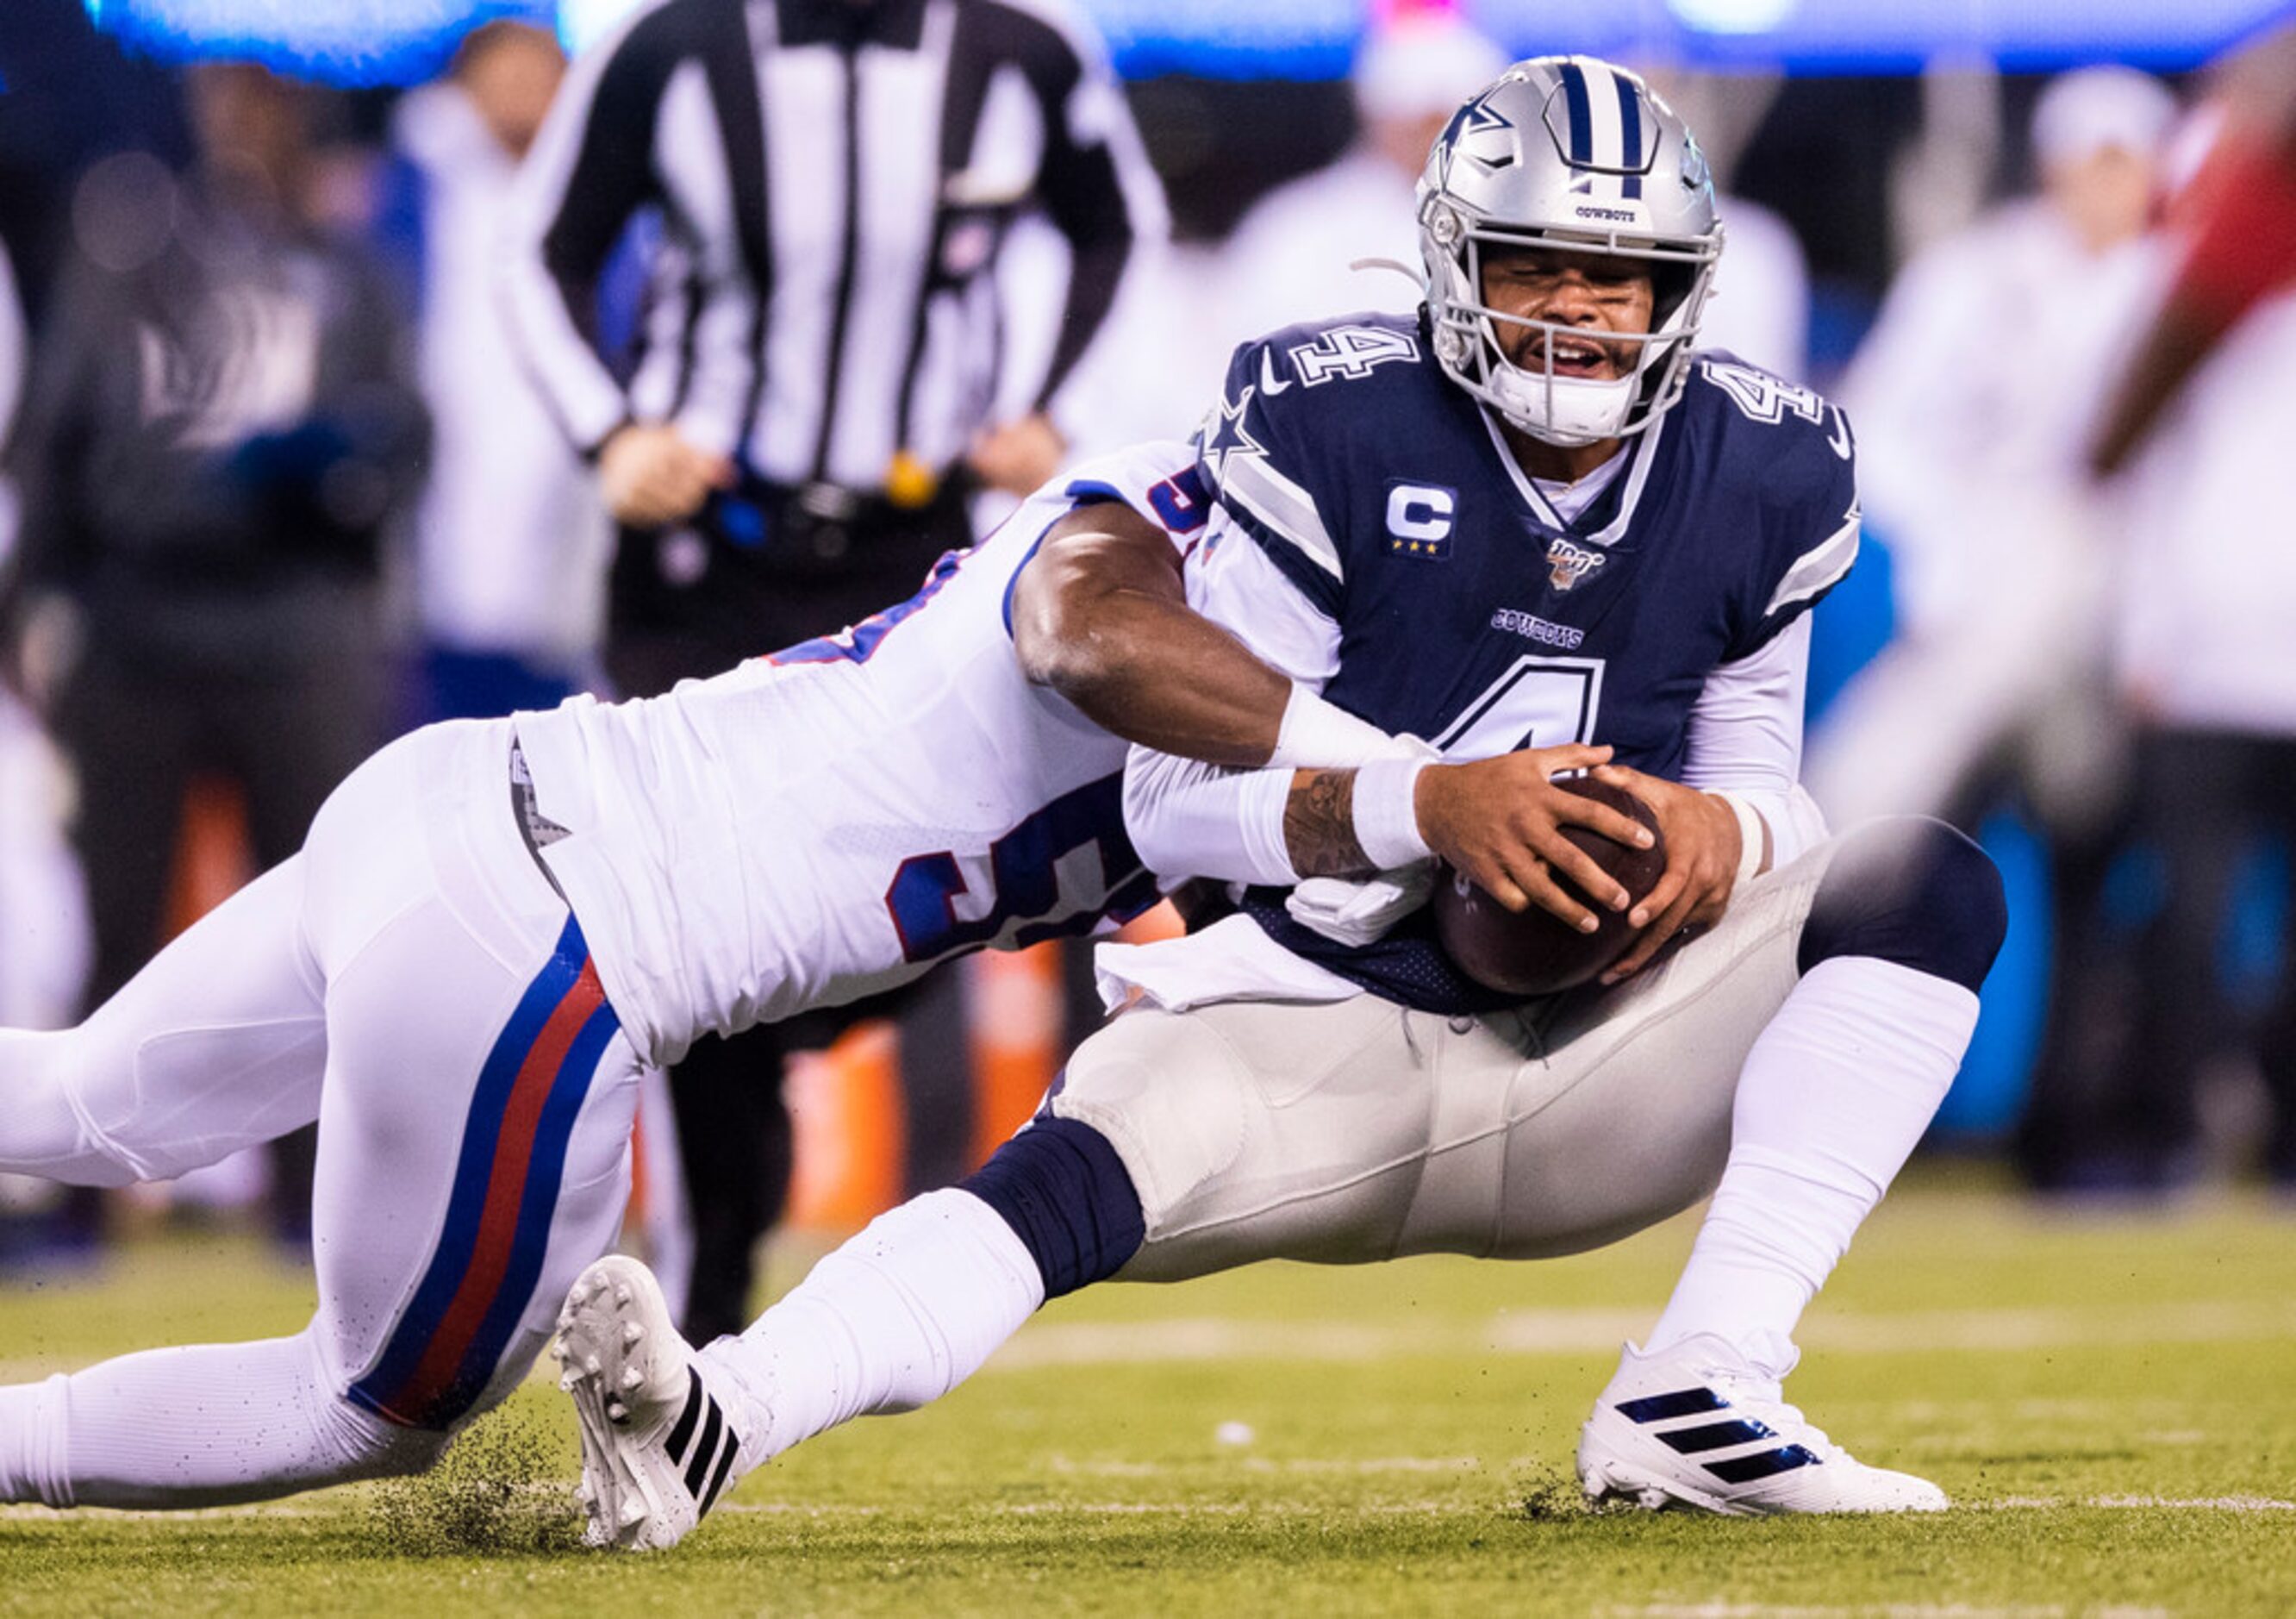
column 1495, row 183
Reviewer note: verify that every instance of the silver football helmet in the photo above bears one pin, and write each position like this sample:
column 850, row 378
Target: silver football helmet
column 1567, row 152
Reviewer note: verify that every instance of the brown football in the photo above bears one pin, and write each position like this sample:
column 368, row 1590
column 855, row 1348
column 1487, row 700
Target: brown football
column 1535, row 952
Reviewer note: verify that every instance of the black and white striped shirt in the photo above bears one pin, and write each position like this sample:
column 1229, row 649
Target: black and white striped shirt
column 836, row 178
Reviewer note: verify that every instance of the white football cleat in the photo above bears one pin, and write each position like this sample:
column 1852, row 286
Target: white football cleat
column 1696, row 1426
column 657, row 1445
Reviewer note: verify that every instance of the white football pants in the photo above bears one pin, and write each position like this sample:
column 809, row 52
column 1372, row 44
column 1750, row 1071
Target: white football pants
column 1361, row 1130
column 412, row 981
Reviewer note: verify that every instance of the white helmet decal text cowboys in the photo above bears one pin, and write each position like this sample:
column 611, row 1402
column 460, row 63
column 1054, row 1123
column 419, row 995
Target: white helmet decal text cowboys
column 1567, row 154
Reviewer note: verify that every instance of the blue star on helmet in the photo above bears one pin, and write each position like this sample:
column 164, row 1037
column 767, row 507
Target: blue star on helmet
column 1223, row 436
column 1483, row 136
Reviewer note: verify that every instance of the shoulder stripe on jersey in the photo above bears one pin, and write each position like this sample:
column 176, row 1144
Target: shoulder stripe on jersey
column 1321, row 589
column 1255, row 489
column 1819, row 570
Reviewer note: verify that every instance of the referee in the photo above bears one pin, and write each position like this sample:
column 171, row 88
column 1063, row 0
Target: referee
column 811, row 401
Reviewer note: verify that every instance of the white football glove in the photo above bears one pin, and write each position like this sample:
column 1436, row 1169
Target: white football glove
column 1354, row 911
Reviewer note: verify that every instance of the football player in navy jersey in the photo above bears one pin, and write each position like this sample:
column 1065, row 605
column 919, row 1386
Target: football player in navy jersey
column 1533, row 532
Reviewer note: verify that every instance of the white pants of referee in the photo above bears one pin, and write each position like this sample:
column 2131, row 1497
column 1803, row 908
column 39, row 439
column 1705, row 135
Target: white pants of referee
column 412, row 981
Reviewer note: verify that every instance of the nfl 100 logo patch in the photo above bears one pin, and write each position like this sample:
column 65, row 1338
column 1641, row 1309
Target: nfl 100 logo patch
column 1568, row 563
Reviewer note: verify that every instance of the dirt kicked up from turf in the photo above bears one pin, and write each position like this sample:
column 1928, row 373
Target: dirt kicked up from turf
column 501, row 1490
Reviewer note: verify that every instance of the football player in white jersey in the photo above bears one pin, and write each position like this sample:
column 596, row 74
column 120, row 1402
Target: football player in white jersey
column 493, row 926
column 1534, row 529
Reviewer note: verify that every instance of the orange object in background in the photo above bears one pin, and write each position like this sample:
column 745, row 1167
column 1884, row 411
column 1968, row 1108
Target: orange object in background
column 852, row 1130
column 213, row 857
column 1016, row 1005
column 847, row 1105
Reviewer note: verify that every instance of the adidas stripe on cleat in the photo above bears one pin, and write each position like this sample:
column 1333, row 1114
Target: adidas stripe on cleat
column 659, row 1447
column 707, row 1456
column 1697, row 1428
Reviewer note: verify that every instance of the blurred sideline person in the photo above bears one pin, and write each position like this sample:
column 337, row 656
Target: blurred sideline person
column 1291, row 257
column 810, row 412
column 496, row 925
column 1974, row 394
column 1761, row 305
column 2208, row 670
column 511, row 539
column 43, row 928
column 2201, row 421
column 218, row 432
column 2241, row 221
column 44, row 931
column 1408, row 526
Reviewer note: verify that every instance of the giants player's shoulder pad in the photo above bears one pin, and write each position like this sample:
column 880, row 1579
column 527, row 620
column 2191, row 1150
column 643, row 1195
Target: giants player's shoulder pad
column 1304, row 418
column 1789, row 450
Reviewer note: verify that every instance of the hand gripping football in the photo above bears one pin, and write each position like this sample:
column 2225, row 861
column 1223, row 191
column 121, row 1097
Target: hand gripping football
column 1535, row 952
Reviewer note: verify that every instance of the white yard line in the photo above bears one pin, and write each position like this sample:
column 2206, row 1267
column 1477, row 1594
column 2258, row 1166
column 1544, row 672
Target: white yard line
column 1181, row 1339
column 2237, row 1505
column 1575, row 1331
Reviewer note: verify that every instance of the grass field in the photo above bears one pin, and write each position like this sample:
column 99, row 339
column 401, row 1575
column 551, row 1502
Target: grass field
column 2110, row 1402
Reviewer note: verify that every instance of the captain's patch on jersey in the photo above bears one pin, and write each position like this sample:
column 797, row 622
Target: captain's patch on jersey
column 1419, row 519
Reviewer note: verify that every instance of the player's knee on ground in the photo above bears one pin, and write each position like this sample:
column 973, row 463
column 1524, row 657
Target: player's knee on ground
column 1911, row 890
column 377, row 1448
column 1068, row 1197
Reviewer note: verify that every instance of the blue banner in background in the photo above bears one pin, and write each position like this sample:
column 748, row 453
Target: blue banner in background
column 369, row 42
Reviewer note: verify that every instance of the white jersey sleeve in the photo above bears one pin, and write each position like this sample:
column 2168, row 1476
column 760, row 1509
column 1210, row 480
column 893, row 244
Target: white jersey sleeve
column 827, row 822
column 1745, row 739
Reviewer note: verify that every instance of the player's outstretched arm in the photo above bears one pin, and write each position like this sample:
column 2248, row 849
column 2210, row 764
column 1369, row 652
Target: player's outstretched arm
column 1100, row 615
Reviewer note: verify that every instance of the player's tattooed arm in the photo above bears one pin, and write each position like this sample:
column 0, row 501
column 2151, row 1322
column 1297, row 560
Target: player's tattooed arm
column 1100, row 614
column 1319, row 826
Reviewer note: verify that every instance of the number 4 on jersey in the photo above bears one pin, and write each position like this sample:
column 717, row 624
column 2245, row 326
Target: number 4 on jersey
column 1348, row 351
column 1763, row 397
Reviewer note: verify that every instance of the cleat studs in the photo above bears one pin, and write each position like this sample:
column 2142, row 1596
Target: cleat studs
column 622, row 1297
column 592, row 1365
column 567, row 1382
column 633, row 1511
column 577, row 1297
column 616, row 1410
column 631, row 1333
column 631, row 1377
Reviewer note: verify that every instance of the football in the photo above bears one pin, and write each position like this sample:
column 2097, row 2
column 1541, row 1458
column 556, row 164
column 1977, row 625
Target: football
column 1536, row 952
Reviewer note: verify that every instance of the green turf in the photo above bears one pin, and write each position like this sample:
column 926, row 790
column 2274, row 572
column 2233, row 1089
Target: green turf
column 2112, row 1403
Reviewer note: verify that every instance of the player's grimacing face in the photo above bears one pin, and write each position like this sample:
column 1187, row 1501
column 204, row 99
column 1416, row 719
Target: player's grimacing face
column 1604, row 297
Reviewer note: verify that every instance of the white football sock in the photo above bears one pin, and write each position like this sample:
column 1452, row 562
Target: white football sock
column 200, row 1426
column 1834, row 1096
column 896, row 1318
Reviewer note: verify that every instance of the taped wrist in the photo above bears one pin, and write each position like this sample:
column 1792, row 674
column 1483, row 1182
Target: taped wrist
column 1387, row 813
column 1750, row 838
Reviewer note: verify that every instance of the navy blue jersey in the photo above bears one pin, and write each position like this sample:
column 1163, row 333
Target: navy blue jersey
column 1470, row 613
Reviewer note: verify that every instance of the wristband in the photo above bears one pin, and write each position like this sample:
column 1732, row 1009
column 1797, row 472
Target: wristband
column 1320, row 735
column 1387, row 813
column 1750, row 838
